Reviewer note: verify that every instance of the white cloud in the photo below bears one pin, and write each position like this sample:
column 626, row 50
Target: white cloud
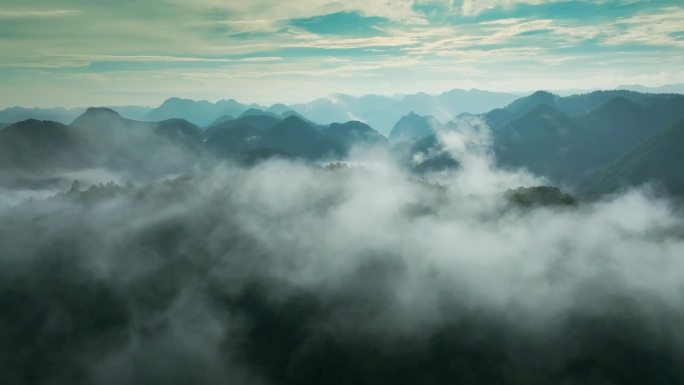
column 17, row 14
column 475, row 7
column 651, row 28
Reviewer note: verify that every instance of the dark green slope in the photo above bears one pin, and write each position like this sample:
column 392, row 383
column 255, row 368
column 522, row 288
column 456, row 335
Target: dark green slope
column 180, row 132
column 232, row 140
column 413, row 126
column 523, row 106
column 665, row 108
column 348, row 134
column 289, row 136
column 257, row 112
column 659, row 159
column 567, row 148
column 100, row 137
column 544, row 141
column 299, row 138
column 40, row 146
column 261, row 122
column 616, row 128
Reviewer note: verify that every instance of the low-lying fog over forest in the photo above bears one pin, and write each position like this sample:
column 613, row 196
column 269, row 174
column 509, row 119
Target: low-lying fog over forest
column 272, row 250
column 358, row 192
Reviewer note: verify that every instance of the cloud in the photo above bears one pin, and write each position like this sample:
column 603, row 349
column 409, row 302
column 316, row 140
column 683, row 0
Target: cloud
column 17, row 14
column 475, row 7
column 486, row 49
column 278, row 272
column 653, row 28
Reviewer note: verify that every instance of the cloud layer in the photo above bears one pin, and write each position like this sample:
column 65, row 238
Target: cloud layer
column 95, row 52
column 293, row 273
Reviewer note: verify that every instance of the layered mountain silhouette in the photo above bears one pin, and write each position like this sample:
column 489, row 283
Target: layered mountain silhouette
column 99, row 137
column 382, row 112
column 291, row 136
column 413, row 126
column 35, row 145
column 64, row 115
column 569, row 138
column 347, row 135
column 594, row 143
column 200, row 112
column 658, row 160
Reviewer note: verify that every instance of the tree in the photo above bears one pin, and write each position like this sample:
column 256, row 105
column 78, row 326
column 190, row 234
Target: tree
column 75, row 186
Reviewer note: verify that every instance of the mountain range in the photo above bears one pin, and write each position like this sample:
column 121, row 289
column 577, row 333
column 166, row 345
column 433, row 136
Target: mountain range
column 565, row 139
column 34, row 150
column 380, row 112
column 593, row 143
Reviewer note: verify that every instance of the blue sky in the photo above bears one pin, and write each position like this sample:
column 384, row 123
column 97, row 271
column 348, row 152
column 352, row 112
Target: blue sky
column 85, row 52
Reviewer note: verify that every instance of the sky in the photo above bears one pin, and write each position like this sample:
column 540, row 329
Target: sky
column 98, row 52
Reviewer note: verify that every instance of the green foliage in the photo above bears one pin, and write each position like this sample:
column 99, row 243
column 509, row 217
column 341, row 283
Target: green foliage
column 540, row 196
column 658, row 160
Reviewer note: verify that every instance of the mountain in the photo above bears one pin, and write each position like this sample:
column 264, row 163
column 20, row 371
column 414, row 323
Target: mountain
column 617, row 127
column 278, row 109
column 659, row 159
column 260, row 114
column 569, row 138
column 256, row 112
column 132, row 112
column 414, row 126
column 234, row 139
column 100, row 118
column 473, row 101
column 181, row 132
column 351, row 133
column 200, row 112
column 544, row 141
column 382, row 112
column 143, row 147
column 222, row 119
column 325, row 110
column 664, row 89
column 104, row 129
column 428, row 155
column 99, row 137
column 261, row 122
column 64, row 115
column 582, row 104
column 37, row 146
column 522, row 106
column 291, row 136
column 61, row 115
column 298, row 138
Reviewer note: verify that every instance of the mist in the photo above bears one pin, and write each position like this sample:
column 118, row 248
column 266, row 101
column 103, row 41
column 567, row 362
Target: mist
column 294, row 272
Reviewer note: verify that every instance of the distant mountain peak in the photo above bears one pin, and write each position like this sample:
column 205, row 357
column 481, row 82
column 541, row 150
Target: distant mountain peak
column 542, row 93
column 98, row 116
column 353, row 125
column 414, row 126
column 101, row 111
column 620, row 103
column 294, row 119
column 255, row 112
